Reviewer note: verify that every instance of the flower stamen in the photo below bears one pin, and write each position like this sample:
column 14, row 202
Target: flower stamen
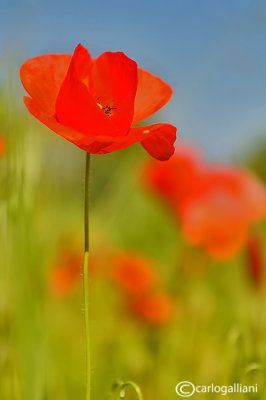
column 107, row 109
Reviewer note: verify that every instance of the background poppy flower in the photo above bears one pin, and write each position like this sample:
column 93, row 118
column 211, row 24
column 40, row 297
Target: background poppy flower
column 178, row 179
column 2, row 146
column 244, row 186
column 218, row 218
column 93, row 102
column 67, row 269
column 215, row 204
column 133, row 273
column 215, row 226
column 155, row 308
column 63, row 279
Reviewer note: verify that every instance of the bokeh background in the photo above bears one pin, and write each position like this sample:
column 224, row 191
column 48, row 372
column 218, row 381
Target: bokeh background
column 213, row 55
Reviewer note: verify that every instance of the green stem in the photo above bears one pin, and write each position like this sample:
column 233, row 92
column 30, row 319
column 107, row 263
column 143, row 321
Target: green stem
column 85, row 277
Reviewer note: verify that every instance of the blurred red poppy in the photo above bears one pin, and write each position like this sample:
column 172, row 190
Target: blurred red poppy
column 67, row 269
column 135, row 274
column 215, row 205
column 93, row 102
column 156, row 308
column 2, row 146
column 218, row 218
column 178, row 179
column 63, row 279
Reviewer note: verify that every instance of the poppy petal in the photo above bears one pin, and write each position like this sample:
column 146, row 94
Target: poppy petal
column 152, row 94
column 159, row 140
column 76, row 106
column 113, row 83
column 42, row 78
column 100, row 144
column 51, row 122
column 85, row 142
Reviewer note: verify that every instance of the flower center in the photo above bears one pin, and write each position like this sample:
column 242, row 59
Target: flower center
column 108, row 108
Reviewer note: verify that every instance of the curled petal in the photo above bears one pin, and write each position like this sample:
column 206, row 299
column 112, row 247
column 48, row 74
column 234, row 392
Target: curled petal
column 159, row 140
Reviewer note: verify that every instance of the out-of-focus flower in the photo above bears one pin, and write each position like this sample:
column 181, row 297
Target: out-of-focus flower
column 178, row 179
column 63, row 280
column 255, row 260
column 218, row 218
column 2, row 146
column 154, row 308
column 215, row 205
column 134, row 273
column 67, row 269
column 245, row 187
column 93, row 102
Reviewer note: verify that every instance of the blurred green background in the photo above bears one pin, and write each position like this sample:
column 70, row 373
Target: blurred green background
column 217, row 331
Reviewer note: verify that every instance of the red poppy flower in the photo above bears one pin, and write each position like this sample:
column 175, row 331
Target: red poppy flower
column 178, row 179
column 133, row 273
column 155, row 308
column 93, row 102
column 219, row 217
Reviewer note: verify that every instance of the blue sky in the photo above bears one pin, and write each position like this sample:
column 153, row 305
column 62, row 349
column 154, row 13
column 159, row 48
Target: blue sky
column 212, row 52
